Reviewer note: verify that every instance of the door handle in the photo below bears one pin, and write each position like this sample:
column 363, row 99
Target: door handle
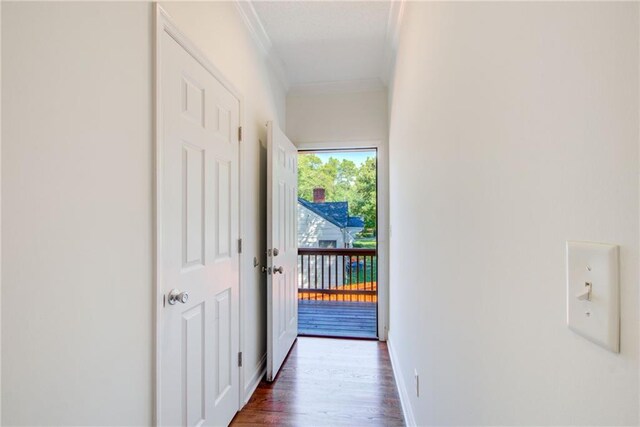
column 277, row 270
column 176, row 296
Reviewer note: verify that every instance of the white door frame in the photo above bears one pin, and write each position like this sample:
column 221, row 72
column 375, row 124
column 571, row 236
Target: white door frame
column 164, row 24
column 382, row 185
column 0, row 217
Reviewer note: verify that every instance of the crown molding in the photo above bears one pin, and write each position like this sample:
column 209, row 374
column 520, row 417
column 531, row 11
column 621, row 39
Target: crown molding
column 342, row 86
column 396, row 13
column 261, row 38
column 263, row 42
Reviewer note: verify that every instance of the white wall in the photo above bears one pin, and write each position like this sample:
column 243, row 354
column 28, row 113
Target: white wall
column 77, row 213
column 77, row 175
column 218, row 30
column 513, row 128
column 333, row 117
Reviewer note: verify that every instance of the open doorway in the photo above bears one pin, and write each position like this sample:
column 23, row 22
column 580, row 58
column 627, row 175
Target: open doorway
column 337, row 243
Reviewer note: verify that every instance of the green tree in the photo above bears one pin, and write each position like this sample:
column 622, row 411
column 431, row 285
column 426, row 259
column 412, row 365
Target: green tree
column 345, row 181
column 342, row 181
column 312, row 174
column 365, row 201
column 328, row 176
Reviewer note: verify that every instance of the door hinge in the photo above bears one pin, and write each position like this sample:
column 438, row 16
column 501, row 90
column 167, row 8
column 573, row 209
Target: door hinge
column 239, row 246
column 240, row 359
column 239, row 133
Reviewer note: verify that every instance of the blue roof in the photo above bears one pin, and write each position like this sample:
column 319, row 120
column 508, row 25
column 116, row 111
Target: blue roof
column 335, row 212
column 355, row 222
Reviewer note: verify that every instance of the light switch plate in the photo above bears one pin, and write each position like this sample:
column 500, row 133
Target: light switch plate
column 593, row 292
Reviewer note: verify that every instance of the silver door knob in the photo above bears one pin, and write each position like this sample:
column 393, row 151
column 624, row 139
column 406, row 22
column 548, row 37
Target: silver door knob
column 178, row 296
column 276, row 252
column 277, row 270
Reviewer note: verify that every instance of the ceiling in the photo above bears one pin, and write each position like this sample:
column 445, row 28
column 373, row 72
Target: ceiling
column 318, row 44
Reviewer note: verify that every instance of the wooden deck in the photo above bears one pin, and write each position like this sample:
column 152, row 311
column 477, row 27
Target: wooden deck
column 328, row 382
column 337, row 319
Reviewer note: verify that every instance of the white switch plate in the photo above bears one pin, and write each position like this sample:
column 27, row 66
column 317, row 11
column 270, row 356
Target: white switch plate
column 595, row 316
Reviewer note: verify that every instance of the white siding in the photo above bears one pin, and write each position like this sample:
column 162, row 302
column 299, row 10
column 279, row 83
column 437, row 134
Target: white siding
column 312, row 228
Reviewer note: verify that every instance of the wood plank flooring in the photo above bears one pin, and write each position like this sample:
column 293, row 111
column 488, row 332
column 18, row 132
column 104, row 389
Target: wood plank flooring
column 337, row 319
column 328, row 382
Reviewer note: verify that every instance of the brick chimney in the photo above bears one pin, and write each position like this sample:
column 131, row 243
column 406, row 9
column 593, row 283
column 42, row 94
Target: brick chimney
column 318, row 195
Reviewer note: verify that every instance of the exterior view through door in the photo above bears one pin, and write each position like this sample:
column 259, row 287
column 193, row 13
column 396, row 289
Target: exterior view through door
column 337, row 243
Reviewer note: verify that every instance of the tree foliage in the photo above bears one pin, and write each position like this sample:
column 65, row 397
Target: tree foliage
column 343, row 181
column 365, row 202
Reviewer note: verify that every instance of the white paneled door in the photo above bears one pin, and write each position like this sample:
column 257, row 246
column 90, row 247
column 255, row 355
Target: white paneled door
column 282, row 244
column 199, row 263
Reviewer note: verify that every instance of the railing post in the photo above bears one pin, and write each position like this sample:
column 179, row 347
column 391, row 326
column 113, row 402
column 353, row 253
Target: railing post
column 364, row 258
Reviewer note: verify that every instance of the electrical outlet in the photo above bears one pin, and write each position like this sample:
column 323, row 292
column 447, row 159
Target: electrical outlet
column 416, row 382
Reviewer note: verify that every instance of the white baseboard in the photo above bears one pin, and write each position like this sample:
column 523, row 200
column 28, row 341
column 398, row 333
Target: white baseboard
column 407, row 411
column 259, row 372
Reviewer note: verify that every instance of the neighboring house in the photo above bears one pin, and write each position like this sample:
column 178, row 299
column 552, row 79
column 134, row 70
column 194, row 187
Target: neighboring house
column 326, row 224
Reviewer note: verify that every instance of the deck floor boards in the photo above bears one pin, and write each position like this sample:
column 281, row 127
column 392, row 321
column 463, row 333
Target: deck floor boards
column 337, row 319
column 328, row 382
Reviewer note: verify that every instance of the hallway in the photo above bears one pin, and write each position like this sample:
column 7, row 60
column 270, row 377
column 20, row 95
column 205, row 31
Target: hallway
column 328, row 382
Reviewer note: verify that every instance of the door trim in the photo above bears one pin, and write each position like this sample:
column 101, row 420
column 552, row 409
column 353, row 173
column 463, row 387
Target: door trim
column 164, row 24
column 381, row 147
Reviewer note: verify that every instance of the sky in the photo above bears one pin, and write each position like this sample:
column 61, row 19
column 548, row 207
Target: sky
column 357, row 157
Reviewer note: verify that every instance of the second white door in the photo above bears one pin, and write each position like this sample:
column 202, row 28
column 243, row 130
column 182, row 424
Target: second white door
column 282, row 248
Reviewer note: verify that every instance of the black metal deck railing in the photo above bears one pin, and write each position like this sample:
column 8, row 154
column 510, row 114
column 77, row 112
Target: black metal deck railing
column 328, row 274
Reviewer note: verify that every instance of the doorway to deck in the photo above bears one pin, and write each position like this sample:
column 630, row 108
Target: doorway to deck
column 337, row 243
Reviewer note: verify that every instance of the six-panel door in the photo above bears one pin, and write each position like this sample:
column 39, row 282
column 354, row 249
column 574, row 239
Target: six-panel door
column 282, row 241
column 199, row 230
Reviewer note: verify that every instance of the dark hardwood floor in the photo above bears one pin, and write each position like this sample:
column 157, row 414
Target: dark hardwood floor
column 328, row 382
